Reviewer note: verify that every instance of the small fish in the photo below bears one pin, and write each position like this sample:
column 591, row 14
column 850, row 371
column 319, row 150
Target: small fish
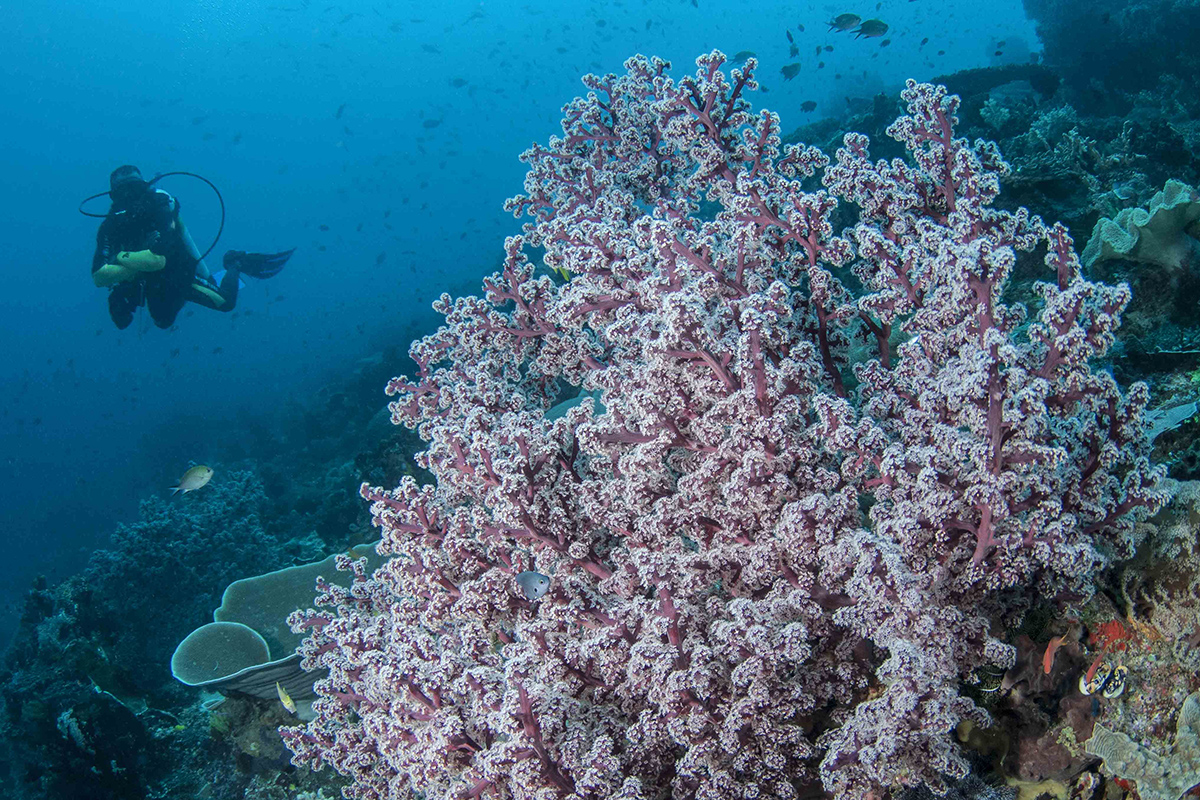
column 431, row 123
column 341, row 108
column 323, row 227
column 790, row 71
column 789, row 35
column 1048, row 656
column 193, row 479
column 379, row 259
column 800, row 28
column 885, row 42
column 285, row 698
column 534, row 585
column 871, row 29
column 924, row 42
column 793, row 51
column 740, row 57
column 808, row 106
column 844, row 22
column 458, row 83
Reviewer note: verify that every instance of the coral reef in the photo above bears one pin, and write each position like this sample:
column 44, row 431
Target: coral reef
column 89, row 707
column 82, row 697
column 1119, row 46
column 1159, row 776
column 1166, row 234
column 785, row 540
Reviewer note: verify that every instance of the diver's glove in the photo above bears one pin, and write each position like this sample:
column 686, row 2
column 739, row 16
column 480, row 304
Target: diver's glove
column 141, row 260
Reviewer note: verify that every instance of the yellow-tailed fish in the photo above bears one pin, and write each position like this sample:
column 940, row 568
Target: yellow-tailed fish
column 285, row 698
column 193, row 479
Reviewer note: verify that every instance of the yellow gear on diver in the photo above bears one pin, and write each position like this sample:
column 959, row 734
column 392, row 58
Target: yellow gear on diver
column 207, row 291
column 141, row 260
column 112, row 274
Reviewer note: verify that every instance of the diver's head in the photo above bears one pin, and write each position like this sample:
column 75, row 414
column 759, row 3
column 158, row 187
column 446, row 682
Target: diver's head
column 126, row 185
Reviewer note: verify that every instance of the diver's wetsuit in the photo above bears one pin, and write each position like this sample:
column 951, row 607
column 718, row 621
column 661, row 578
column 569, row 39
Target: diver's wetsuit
column 152, row 223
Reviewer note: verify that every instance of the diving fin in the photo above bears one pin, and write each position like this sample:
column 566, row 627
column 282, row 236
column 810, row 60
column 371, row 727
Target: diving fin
column 219, row 276
column 257, row 265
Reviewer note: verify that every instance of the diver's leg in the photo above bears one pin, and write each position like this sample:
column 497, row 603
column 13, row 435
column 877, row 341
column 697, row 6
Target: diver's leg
column 221, row 298
column 122, row 302
column 164, row 302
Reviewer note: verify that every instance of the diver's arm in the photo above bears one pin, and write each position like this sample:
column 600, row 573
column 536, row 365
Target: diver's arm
column 105, row 247
column 105, row 273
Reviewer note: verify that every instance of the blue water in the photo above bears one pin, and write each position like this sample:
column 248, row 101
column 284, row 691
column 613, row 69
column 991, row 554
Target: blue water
column 310, row 114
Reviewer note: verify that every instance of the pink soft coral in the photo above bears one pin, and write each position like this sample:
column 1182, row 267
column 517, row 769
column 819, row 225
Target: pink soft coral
column 780, row 544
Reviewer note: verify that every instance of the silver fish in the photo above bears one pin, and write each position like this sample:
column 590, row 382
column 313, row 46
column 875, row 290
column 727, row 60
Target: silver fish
column 534, row 585
column 195, row 478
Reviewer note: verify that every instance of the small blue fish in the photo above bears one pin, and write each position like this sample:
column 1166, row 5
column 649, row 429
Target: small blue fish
column 534, row 585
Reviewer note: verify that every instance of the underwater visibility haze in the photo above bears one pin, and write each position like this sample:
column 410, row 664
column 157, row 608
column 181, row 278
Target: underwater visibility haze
column 616, row 400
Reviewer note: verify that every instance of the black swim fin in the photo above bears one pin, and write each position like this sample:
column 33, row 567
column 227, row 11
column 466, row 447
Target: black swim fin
column 257, row 265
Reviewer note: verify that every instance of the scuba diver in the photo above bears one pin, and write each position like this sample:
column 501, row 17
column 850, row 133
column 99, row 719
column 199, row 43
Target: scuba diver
column 145, row 255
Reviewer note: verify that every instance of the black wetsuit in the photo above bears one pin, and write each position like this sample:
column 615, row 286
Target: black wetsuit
column 152, row 223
